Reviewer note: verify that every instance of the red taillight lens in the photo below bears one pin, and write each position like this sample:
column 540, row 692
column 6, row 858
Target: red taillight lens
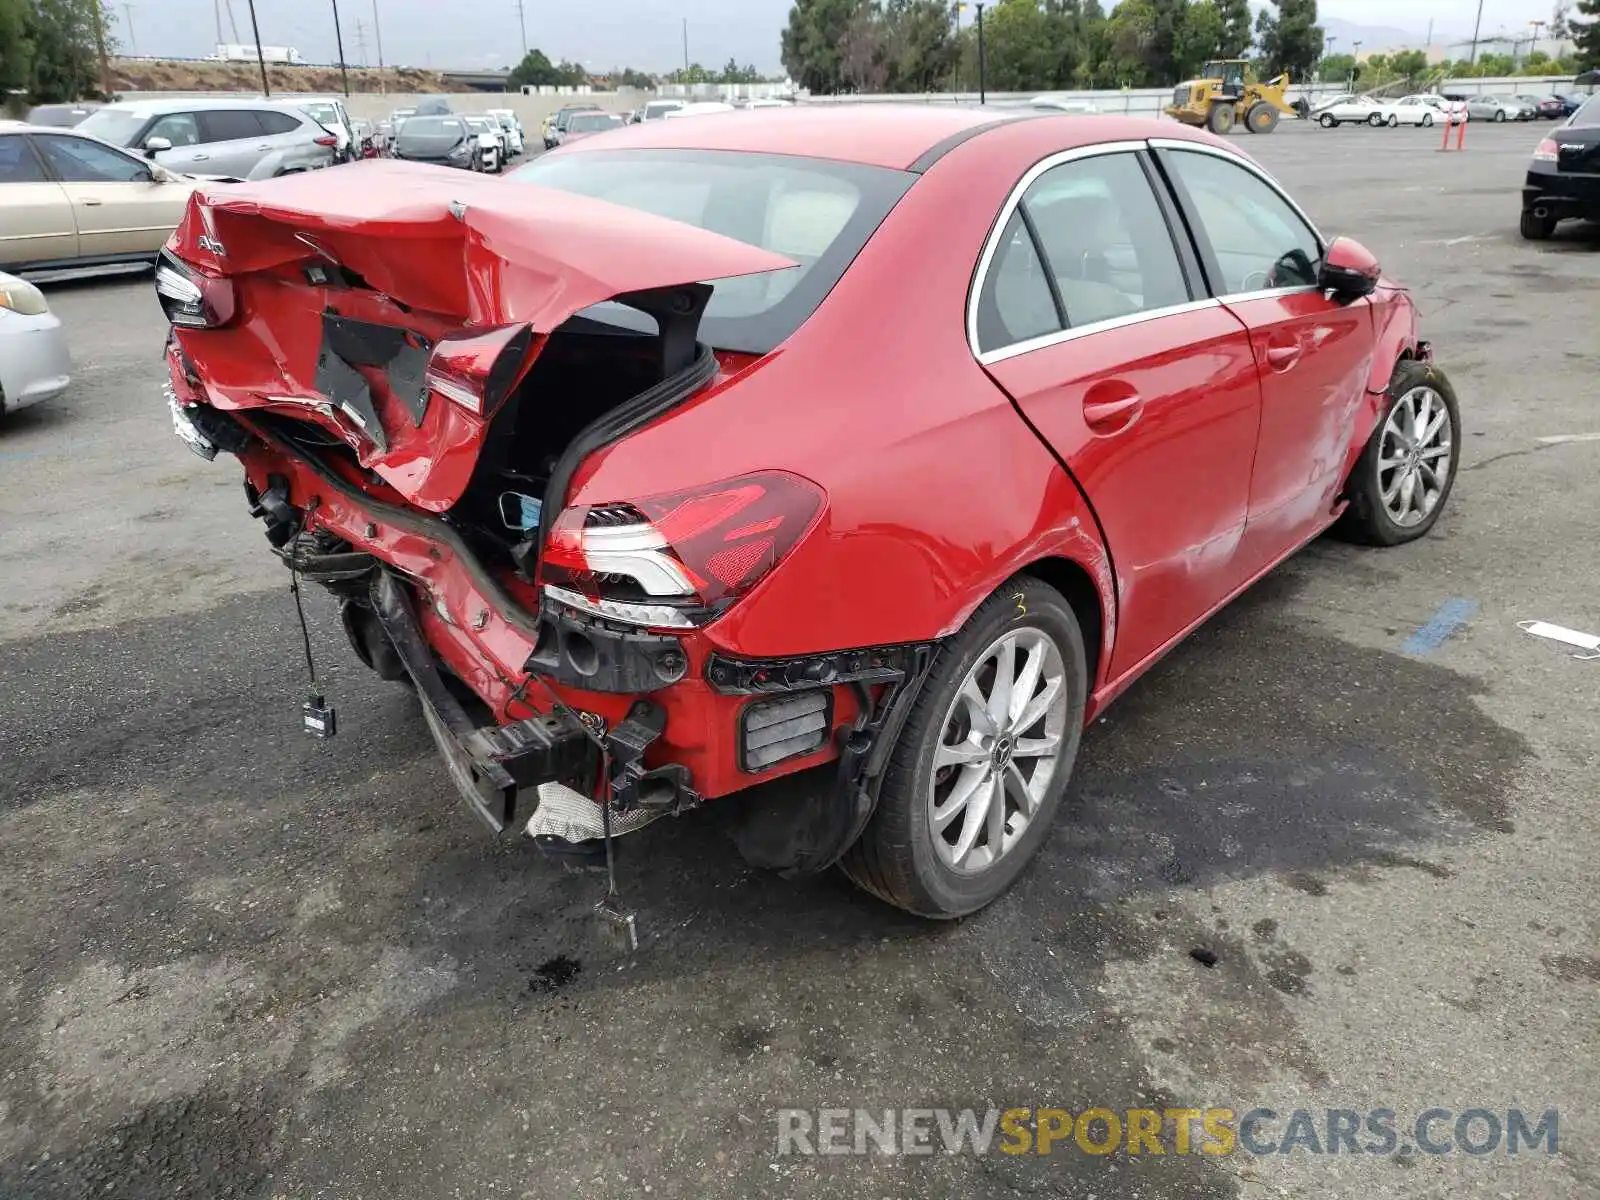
column 478, row 370
column 326, row 140
column 678, row 559
column 191, row 299
column 1547, row 151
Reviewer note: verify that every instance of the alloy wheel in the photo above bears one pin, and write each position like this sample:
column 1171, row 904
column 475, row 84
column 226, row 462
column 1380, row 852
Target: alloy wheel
column 999, row 747
column 1414, row 456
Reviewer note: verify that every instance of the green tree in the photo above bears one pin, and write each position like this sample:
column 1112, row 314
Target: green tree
column 1586, row 34
column 535, row 70
column 1200, row 37
column 810, row 42
column 921, row 52
column 1410, row 65
column 627, row 77
column 16, row 46
column 1236, row 34
column 1336, row 68
column 1290, row 38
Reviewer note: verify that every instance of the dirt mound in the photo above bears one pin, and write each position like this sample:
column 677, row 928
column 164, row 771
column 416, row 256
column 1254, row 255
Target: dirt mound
column 140, row 75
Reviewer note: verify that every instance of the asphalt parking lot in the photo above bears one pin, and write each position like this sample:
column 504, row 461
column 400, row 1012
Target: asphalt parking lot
column 240, row 963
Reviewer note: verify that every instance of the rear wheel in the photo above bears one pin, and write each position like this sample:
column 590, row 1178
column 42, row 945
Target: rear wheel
column 983, row 760
column 1220, row 119
column 1499, row 114
column 1403, row 477
column 1327, row 120
column 1262, row 118
column 1427, row 120
column 1537, row 229
column 1375, row 120
column 1394, row 121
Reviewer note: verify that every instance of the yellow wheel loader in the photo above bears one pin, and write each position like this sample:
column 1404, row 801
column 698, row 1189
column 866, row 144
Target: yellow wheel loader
column 1222, row 97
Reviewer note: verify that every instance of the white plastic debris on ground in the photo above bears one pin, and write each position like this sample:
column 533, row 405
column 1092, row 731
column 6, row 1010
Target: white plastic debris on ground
column 573, row 817
column 1560, row 633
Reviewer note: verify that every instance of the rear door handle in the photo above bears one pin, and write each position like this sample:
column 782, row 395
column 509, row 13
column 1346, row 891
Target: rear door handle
column 199, row 157
column 1281, row 358
column 1106, row 416
column 91, row 202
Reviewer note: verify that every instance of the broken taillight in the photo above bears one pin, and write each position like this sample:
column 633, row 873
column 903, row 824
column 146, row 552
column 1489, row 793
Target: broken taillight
column 680, row 559
column 478, row 370
column 190, row 298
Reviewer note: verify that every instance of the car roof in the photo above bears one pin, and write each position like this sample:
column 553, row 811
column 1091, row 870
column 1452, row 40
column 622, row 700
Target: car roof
column 192, row 103
column 900, row 136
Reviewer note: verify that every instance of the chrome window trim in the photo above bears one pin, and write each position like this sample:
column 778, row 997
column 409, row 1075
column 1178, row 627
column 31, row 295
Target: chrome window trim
column 1044, row 341
column 992, row 243
column 1274, row 186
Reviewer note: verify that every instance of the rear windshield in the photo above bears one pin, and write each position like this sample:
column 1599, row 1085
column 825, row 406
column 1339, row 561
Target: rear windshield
column 1588, row 113
column 817, row 212
column 323, row 114
column 429, row 133
column 117, row 126
column 592, row 122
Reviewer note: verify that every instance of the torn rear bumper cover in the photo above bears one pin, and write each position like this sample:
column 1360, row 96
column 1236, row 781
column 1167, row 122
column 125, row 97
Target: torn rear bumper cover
column 489, row 764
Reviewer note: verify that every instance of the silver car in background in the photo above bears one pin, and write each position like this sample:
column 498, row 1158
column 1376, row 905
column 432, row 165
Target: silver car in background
column 1499, row 108
column 34, row 365
column 241, row 139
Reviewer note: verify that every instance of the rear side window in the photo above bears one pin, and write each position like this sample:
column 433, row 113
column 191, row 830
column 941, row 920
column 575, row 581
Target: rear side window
column 17, row 161
column 1087, row 243
column 277, row 122
column 1588, row 113
column 1254, row 239
column 230, row 124
column 181, row 129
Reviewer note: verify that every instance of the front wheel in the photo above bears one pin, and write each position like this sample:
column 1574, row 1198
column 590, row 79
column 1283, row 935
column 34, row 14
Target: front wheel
column 1375, row 120
column 1327, row 121
column 1499, row 114
column 1403, row 478
column 1394, row 121
column 1427, row 120
column 983, row 760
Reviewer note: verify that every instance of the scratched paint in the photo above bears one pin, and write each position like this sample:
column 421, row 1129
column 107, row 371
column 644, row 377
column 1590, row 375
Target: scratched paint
column 1451, row 615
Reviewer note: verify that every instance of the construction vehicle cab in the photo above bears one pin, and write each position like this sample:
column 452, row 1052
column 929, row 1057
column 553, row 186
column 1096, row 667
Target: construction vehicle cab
column 1224, row 96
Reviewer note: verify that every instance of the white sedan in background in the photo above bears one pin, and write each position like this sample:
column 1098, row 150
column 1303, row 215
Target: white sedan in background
column 1364, row 110
column 34, row 365
column 1453, row 111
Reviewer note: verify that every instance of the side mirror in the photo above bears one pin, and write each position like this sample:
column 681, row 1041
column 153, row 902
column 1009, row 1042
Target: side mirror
column 155, row 145
column 1348, row 270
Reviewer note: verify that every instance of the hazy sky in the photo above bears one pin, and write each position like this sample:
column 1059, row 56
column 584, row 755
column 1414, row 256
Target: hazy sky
column 647, row 34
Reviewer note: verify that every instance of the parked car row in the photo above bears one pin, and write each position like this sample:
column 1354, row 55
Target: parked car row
column 1430, row 109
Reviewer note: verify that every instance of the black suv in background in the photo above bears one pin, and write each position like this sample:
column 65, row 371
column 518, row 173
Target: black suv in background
column 1564, row 176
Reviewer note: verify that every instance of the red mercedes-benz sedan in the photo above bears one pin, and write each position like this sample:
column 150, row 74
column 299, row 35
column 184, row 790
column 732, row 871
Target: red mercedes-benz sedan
column 898, row 440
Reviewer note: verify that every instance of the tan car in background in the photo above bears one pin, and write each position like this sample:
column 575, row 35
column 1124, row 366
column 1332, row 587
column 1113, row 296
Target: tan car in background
column 67, row 200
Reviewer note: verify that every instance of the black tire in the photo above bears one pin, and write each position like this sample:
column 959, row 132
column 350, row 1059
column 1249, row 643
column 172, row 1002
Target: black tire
column 1537, row 229
column 894, row 858
column 1499, row 114
column 1262, row 118
column 1220, row 119
column 1328, row 121
column 1375, row 120
column 1366, row 519
column 1427, row 120
column 1394, row 121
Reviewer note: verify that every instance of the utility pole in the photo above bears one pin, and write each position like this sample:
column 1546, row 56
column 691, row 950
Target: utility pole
column 1477, row 28
column 233, row 21
column 377, row 33
column 1355, row 63
column 686, row 49
column 338, row 39
column 261, row 59
column 983, row 95
column 216, row 11
column 100, row 44
column 1534, row 42
column 133, row 46
column 361, row 42
column 522, row 23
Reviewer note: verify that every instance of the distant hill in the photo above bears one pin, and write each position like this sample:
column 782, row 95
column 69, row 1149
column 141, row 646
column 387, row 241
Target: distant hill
column 176, row 75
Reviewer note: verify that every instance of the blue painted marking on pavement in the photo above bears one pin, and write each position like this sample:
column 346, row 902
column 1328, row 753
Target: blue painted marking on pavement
column 1451, row 615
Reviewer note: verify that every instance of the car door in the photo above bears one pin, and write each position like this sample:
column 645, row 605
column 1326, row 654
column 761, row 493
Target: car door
column 35, row 215
column 1314, row 354
column 119, row 206
column 289, row 139
column 1086, row 314
column 234, row 141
